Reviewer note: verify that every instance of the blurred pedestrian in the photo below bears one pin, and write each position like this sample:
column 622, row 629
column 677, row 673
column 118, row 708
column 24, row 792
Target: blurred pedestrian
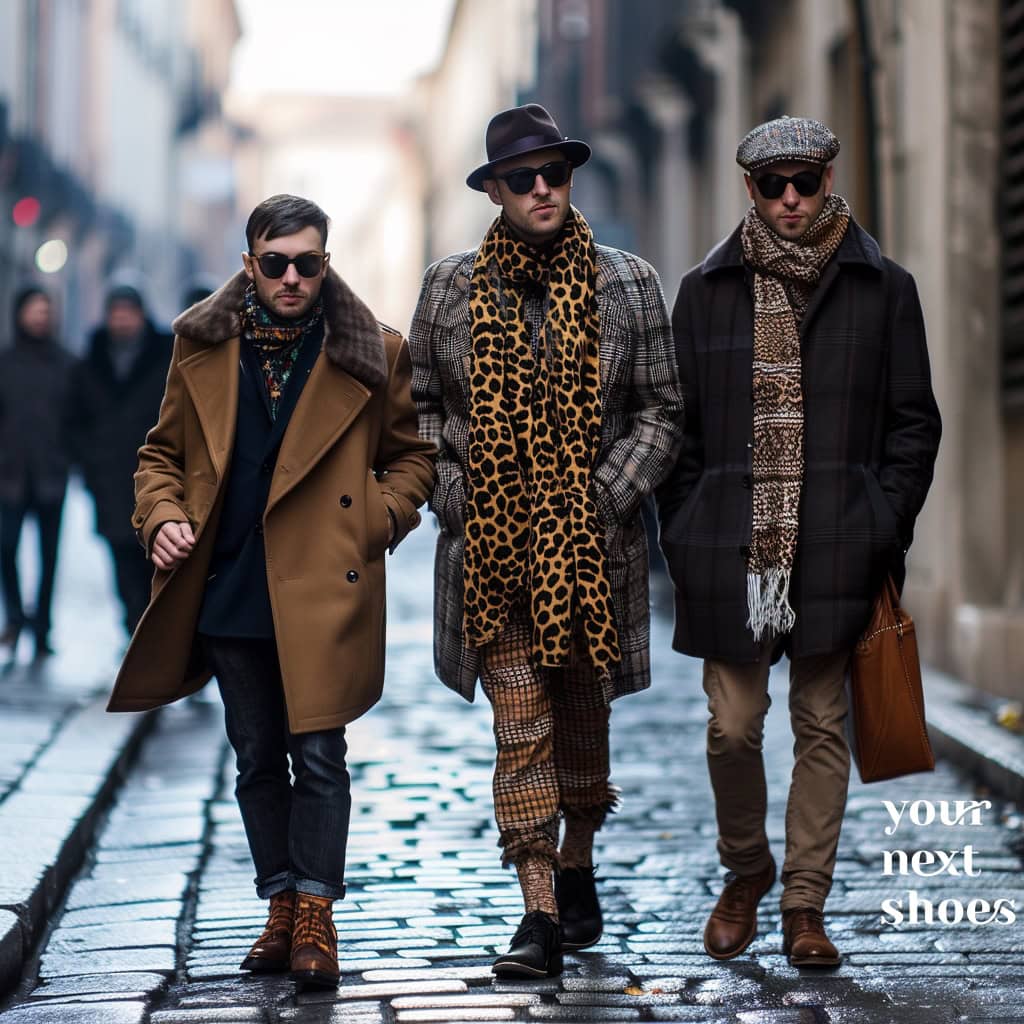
column 285, row 465
column 117, row 390
column 196, row 290
column 545, row 375
column 811, row 434
column 35, row 381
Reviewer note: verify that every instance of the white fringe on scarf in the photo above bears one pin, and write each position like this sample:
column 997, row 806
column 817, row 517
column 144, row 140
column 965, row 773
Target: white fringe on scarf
column 768, row 603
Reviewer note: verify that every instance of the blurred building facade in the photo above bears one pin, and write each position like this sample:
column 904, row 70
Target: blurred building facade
column 927, row 97
column 106, row 107
column 488, row 62
column 355, row 157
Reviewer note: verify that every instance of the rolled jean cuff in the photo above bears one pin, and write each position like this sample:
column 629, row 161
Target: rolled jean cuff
column 313, row 887
column 267, row 887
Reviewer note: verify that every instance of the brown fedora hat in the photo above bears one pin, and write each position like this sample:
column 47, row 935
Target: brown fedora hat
column 523, row 130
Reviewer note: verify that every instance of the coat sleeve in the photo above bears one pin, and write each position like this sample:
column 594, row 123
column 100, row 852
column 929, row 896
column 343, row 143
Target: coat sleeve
column 429, row 324
column 912, row 423
column 690, row 463
column 405, row 462
column 160, row 478
column 640, row 459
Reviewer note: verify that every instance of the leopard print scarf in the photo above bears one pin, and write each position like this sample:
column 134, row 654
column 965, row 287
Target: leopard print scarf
column 785, row 275
column 535, row 430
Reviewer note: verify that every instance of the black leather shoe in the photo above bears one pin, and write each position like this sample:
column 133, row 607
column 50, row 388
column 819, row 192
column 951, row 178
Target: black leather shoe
column 535, row 952
column 579, row 913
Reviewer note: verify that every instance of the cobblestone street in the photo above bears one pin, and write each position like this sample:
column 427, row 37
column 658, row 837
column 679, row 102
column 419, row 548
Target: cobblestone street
column 163, row 910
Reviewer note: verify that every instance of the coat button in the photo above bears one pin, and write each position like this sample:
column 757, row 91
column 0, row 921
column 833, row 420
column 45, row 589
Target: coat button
column 746, row 481
column 352, row 576
column 266, row 469
column 258, row 529
column 345, row 500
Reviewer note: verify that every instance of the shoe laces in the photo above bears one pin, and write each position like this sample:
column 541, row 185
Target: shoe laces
column 535, row 926
column 314, row 925
column 739, row 891
column 804, row 919
column 281, row 917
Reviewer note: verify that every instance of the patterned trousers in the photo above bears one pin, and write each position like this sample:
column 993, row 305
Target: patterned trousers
column 551, row 732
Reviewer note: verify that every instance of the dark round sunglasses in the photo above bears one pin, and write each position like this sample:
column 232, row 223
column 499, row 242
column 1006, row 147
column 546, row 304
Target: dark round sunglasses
column 771, row 186
column 275, row 264
column 520, row 181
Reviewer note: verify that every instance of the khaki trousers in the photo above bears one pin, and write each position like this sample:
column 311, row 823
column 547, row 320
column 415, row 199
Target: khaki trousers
column 738, row 701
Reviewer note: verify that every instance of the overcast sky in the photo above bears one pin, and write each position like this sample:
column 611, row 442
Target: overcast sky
column 337, row 46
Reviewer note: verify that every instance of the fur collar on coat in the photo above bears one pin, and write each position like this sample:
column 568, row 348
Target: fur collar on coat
column 352, row 338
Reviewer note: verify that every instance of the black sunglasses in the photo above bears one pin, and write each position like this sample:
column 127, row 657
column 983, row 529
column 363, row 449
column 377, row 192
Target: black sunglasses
column 275, row 264
column 520, row 181
column 771, row 186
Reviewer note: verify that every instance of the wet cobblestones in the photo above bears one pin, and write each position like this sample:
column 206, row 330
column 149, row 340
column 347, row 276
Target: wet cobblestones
column 164, row 910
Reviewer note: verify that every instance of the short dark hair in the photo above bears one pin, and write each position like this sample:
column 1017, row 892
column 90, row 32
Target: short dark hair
column 284, row 215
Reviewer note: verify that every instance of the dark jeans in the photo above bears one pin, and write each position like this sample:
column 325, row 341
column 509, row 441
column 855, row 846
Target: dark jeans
column 12, row 516
column 133, row 573
column 297, row 831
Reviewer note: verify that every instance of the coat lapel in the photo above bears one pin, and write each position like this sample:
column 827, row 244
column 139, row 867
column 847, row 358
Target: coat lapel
column 211, row 378
column 329, row 403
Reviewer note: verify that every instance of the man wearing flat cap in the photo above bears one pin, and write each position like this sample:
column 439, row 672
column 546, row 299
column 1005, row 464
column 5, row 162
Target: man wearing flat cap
column 811, row 433
column 544, row 373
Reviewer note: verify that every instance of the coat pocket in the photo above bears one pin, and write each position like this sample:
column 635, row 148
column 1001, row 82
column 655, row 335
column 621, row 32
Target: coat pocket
column 885, row 524
column 676, row 529
column 377, row 515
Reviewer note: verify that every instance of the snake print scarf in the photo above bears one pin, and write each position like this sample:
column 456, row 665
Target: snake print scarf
column 275, row 341
column 535, row 430
column 785, row 275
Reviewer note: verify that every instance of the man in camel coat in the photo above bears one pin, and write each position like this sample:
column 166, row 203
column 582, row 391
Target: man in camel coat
column 285, row 464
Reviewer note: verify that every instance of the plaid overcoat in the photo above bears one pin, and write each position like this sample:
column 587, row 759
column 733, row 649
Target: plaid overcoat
column 641, row 429
column 871, row 433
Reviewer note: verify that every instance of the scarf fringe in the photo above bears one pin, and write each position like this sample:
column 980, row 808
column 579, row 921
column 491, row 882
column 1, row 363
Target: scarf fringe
column 768, row 603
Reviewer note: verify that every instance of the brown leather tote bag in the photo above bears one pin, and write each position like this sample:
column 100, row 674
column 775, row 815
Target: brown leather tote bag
column 888, row 736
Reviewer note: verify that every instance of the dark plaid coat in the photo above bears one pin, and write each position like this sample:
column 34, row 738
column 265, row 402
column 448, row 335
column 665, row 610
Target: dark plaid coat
column 871, row 432
column 640, row 434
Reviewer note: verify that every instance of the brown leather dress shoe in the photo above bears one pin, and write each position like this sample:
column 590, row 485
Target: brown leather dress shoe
column 314, row 943
column 804, row 940
column 732, row 925
column 273, row 949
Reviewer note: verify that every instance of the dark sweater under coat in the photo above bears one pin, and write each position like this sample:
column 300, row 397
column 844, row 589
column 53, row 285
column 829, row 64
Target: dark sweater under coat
column 236, row 602
column 871, row 433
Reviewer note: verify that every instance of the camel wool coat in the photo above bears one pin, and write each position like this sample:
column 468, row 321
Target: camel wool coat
column 350, row 454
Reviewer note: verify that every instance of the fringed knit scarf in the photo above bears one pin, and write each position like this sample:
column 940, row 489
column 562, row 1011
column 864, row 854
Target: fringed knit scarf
column 276, row 342
column 535, row 430
column 785, row 275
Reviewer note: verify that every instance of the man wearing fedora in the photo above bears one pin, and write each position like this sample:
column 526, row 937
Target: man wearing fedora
column 543, row 371
column 811, row 434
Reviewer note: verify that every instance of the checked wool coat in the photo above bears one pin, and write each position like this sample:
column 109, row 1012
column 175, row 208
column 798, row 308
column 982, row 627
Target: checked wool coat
column 871, row 433
column 641, row 428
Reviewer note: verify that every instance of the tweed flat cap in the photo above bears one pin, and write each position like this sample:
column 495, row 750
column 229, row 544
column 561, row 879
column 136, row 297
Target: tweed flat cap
column 787, row 138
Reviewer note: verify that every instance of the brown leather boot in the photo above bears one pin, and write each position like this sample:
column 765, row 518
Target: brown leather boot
column 314, row 943
column 273, row 949
column 804, row 940
column 732, row 925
